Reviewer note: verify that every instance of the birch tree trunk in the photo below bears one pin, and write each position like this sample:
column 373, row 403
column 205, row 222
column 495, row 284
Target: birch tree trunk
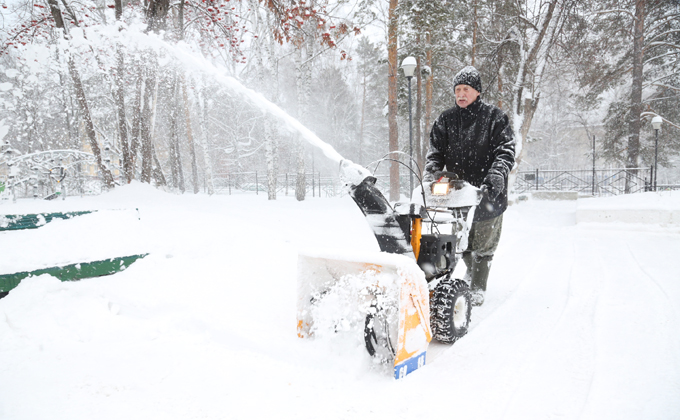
column 190, row 135
column 271, row 135
column 300, row 179
column 135, row 140
column 205, row 143
column 303, row 81
column 271, row 154
column 174, row 167
column 268, row 87
column 175, row 152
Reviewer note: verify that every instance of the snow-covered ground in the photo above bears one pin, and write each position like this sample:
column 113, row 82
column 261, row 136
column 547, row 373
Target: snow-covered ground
column 661, row 208
column 581, row 320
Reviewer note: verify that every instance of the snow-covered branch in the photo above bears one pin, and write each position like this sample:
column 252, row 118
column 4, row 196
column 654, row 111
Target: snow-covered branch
column 660, row 56
column 661, row 35
column 674, row 88
column 662, row 21
column 664, row 44
column 611, row 11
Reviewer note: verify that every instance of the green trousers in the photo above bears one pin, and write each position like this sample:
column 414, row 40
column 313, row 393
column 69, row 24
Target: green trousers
column 482, row 243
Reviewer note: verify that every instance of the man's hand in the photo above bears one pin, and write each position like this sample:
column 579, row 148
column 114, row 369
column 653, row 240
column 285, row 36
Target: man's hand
column 494, row 186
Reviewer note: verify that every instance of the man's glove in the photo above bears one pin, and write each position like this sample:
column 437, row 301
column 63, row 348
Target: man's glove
column 495, row 184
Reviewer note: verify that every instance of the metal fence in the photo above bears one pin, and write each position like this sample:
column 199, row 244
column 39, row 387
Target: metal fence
column 256, row 182
column 316, row 185
column 599, row 182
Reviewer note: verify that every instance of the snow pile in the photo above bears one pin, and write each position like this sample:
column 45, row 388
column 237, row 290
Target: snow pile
column 659, row 208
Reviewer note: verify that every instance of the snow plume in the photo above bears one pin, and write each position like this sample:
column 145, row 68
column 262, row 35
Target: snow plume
column 192, row 61
column 351, row 173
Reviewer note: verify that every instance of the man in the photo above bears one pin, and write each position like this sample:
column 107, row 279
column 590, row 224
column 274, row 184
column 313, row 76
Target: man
column 475, row 141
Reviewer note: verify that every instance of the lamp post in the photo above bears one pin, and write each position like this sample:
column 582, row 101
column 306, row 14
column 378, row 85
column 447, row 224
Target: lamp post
column 409, row 66
column 656, row 124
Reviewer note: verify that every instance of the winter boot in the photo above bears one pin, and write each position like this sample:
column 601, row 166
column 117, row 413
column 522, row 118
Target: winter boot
column 479, row 273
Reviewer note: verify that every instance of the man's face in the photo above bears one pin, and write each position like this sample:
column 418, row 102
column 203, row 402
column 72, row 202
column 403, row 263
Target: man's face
column 465, row 95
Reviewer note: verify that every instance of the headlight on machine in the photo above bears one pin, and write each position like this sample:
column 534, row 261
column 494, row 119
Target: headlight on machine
column 440, row 188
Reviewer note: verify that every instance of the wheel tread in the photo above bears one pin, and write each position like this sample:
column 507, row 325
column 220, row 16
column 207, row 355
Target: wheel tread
column 442, row 304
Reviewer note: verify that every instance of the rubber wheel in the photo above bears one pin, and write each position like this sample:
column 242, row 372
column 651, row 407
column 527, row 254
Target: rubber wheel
column 377, row 335
column 450, row 310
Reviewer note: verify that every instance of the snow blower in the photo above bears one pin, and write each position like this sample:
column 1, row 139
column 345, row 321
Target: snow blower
column 405, row 295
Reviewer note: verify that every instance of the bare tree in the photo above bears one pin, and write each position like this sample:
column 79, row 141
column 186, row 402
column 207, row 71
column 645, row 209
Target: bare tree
column 82, row 100
column 536, row 39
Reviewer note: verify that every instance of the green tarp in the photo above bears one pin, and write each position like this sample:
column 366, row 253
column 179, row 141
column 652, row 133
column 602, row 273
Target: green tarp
column 72, row 272
column 33, row 221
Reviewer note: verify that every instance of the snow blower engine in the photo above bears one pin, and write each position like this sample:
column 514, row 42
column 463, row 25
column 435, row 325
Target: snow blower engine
column 405, row 295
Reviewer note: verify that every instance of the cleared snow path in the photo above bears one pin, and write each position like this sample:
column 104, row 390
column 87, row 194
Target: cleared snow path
column 580, row 322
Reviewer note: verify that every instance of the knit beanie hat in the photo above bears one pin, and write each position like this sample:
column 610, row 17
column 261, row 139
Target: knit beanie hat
column 469, row 76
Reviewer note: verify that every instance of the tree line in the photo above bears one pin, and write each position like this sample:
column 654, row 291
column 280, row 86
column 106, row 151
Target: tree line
column 92, row 72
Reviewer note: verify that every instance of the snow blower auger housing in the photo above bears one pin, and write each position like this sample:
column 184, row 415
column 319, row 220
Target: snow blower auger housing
column 403, row 296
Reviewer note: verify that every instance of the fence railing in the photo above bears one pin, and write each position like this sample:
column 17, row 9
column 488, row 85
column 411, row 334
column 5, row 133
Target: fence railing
column 256, row 182
column 597, row 182
column 600, row 182
column 316, row 185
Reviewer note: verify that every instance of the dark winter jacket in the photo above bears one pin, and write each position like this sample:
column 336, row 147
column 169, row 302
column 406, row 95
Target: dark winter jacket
column 474, row 142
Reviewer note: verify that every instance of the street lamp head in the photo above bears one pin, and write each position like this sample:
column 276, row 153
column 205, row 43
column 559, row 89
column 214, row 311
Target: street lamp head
column 656, row 122
column 409, row 66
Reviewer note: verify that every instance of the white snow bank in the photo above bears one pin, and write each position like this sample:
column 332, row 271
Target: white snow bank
column 660, row 208
column 578, row 323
